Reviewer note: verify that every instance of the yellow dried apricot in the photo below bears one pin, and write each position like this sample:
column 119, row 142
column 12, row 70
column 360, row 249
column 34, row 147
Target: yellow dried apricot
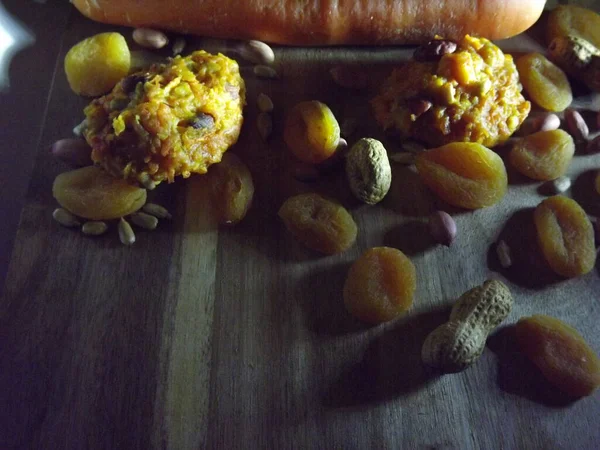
column 95, row 65
column 463, row 174
column 565, row 20
column 561, row 353
column 319, row 223
column 544, row 155
column 545, row 83
column 380, row 285
column 231, row 188
column 92, row 193
column 565, row 235
column 311, row 132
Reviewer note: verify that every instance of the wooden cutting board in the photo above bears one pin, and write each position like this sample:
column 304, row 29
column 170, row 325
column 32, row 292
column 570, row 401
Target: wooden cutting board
column 206, row 337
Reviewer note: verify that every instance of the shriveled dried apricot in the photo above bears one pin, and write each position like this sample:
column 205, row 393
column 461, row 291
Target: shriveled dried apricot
column 468, row 175
column 561, row 353
column 95, row 65
column 545, row 83
column 311, row 132
column 565, row 235
column 380, row 285
column 92, row 193
column 565, row 20
column 544, row 155
column 320, row 224
column 231, row 188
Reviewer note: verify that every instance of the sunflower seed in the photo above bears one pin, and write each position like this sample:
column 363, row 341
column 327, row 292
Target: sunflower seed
column 561, row 185
column 503, row 252
column 126, row 234
column 157, row 211
column 144, row 220
column 146, row 181
column 549, row 122
column 78, row 130
column 94, row 228
column 256, row 52
column 265, row 72
column 149, row 38
column 264, row 102
column 65, row 218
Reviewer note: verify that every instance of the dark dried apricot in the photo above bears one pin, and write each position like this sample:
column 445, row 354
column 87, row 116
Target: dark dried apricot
column 467, row 175
column 231, row 188
column 545, row 83
column 380, row 285
column 92, row 193
column 565, row 235
column 544, row 155
column 320, row 224
column 561, row 354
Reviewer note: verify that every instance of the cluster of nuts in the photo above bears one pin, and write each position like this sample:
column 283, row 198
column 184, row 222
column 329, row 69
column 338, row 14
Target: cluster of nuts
column 146, row 219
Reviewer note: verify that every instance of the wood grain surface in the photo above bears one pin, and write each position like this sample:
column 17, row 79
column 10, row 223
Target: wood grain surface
column 204, row 337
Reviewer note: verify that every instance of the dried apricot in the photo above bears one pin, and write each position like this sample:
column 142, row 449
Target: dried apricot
column 92, row 193
column 565, row 20
column 95, row 65
column 545, row 83
column 231, row 188
column 311, row 132
column 468, row 175
column 380, row 285
column 561, row 353
column 319, row 223
column 565, row 235
column 544, row 155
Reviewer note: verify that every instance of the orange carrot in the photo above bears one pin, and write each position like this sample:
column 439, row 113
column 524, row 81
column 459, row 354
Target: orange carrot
column 323, row 22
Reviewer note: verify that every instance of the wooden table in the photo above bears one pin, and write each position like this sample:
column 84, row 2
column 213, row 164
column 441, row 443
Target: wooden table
column 206, row 337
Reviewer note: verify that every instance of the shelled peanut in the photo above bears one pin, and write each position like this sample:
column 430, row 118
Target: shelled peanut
column 467, row 175
column 319, row 223
column 380, row 285
column 544, row 155
column 561, row 354
column 565, row 235
column 458, row 343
